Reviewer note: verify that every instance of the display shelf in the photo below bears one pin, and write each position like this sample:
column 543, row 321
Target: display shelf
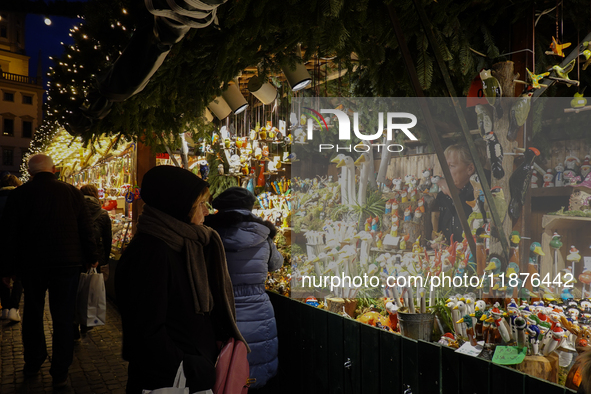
column 563, row 191
column 561, row 222
column 573, row 231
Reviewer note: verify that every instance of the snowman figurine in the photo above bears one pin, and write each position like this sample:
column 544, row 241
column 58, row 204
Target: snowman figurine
column 559, row 178
column 534, row 180
column 548, row 177
column 570, row 164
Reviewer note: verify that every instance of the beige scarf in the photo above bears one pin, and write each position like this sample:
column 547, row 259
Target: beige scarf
column 206, row 263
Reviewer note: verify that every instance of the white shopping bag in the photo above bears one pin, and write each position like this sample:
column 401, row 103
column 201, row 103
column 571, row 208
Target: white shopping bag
column 91, row 307
column 178, row 387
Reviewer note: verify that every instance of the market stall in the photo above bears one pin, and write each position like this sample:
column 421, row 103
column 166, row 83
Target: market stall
column 370, row 253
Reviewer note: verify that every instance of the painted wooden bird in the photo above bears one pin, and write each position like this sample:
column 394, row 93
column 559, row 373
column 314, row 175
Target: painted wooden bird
column 494, row 151
column 536, row 78
column 484, row 119
column 555, row 242
column 587, row 54
column 519, row 182
column 519, row 112
column 562, row 72
column 492, row 90
column 579, row 100
column 557, row 48
column 500, row 201
column 476, row 185
column 512, row 269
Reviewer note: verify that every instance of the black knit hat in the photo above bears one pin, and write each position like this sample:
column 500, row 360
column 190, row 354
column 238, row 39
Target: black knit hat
column 172, row 190
column 234, row 198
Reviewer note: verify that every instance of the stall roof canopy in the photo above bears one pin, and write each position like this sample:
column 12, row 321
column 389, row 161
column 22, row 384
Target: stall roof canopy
column 256, row 36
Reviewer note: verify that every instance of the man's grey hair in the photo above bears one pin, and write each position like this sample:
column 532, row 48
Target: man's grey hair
column 40, row 163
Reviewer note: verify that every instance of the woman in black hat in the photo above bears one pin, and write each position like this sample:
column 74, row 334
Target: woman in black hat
column 172, row 286
column 251, row 254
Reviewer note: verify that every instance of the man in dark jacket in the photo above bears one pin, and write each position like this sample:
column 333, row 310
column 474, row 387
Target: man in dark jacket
column 50, row 238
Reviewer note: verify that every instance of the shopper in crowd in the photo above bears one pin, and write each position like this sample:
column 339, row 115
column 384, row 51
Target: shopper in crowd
column 46, row 224
column 11, row 288
column 462, row 168
column 101, row 223
column 251, row 254
column 172, row 286
column 103, row 237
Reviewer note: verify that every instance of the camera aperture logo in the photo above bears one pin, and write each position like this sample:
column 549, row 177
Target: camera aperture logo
column 345, row 129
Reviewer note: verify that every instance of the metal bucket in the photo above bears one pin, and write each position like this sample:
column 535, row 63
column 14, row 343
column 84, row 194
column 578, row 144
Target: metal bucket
column 416, row 325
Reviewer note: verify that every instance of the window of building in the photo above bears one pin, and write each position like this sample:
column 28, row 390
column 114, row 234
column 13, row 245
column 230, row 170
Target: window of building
column 27, row 99
column 8, row 96
column 27, row 129
column 8, row 128
column 7, row 156
column 3, row 31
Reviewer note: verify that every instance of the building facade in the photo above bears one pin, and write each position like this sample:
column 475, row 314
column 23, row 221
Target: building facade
column 21, row 95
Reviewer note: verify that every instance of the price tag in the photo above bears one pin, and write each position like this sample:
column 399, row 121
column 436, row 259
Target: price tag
column 587, row 262
column 509, row 355
column 469, row 350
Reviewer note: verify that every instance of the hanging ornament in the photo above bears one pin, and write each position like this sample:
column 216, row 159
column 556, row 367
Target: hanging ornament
column 557, row 48
column 261, row 178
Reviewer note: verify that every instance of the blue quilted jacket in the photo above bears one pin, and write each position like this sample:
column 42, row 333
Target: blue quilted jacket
column 251, row 254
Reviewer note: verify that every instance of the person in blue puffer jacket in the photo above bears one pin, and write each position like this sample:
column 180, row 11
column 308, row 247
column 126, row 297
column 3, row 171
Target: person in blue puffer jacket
column 251, row 254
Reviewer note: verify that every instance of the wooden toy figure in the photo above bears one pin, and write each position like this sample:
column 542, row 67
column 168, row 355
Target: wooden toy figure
column 558, row 334
column 421, row 204
column 418, row 216
column 407, row 214
column 534, row 180
column 479, row 308
column 548, row 177
column 570, row 164
column 513, row 312
column 533, row 333
column 394, row 229
column 555, row 244
column 585, row 278
column 500, row 323
column 467, row 320
column 375, row 223
column 558, row 178
column 520, row 323
column 434, row 184
column 412, row 191
column 388, row 207
column 533, row 267
column 425, row 185
column 395, row 207
column 403, row 196
column 403, row 242
column 574, row 257
column 368, row 224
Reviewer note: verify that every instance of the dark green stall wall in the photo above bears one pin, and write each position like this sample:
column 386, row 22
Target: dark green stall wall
column 322, row 353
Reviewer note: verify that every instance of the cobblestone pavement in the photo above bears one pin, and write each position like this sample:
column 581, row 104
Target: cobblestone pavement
column 97, row 366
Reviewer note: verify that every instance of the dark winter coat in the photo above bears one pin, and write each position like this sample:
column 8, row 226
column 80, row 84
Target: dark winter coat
column 49, row 226
column 449, row 222
column 251, row 254
column 101, row 226
column 156, row 304
column 4, row 196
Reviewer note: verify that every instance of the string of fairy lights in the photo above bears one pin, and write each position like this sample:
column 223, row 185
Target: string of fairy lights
column 70, row 81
